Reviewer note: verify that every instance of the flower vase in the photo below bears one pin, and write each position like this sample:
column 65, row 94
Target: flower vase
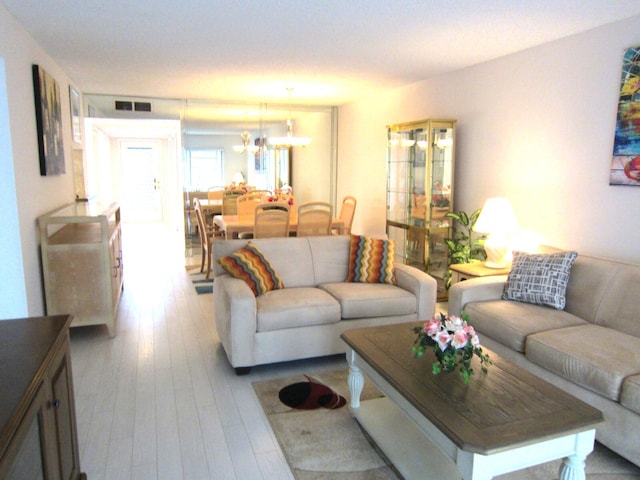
column 440, row 356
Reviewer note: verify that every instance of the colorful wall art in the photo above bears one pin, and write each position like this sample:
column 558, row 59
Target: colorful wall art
column 625, row 165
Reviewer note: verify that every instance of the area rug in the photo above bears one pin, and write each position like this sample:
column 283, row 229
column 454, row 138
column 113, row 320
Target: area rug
column 322, row 443
column 202, row 284
column 202, row 289
column 327, row 443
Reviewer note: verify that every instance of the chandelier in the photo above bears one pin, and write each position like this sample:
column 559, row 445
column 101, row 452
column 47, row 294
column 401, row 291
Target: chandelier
column 246, row 144
column 289, row 140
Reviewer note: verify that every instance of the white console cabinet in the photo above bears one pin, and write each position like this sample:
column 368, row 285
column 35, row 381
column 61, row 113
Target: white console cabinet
column 81, row 247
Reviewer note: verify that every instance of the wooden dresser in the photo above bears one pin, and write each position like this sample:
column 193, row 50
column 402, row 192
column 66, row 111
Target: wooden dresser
column 39, row 437
column 81, row 247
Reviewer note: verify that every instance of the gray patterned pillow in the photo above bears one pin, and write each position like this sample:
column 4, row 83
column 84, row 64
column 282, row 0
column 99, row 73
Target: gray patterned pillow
column 539, row 278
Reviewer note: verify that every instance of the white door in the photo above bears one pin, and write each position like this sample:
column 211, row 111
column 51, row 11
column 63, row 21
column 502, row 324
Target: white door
column 141, row 164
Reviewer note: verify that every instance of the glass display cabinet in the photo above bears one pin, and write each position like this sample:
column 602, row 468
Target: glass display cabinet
column 420, row 171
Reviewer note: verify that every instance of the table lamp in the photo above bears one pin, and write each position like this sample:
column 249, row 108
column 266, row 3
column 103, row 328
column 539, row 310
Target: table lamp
column 499, row 222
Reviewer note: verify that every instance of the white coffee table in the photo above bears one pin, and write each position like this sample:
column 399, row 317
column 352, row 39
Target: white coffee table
column 436, row 427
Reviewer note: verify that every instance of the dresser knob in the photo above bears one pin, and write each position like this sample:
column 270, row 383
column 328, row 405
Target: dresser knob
column 55, row 404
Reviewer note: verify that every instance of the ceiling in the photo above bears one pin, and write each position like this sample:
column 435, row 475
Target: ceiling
column 330, row 52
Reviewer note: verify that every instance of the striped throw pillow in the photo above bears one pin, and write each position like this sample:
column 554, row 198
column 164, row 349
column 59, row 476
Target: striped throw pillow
column 250, row 264
column 371, row 260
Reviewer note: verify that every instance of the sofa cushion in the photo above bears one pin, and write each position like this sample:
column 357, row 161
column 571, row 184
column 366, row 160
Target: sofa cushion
column 539, row 278
column 295, row 307
column 592, row 356
column 511, row 322
column 330, row 258
column 250, row 264
column 371, row 260
column 630, row 396
column 361, row 300
column 620, row 308
column 589, row 282
column 290, row 257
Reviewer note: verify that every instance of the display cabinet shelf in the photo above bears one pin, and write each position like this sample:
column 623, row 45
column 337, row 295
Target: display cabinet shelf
column 420, row 172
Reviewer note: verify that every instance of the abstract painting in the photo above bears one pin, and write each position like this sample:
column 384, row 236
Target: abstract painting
column 625, row 165
column 48, row 122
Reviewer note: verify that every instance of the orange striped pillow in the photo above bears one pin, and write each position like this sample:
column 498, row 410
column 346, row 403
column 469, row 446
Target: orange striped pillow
column 371, row 260
column 250, row 264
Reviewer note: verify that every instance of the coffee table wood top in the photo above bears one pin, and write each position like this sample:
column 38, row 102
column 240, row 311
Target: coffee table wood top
column 503, row 407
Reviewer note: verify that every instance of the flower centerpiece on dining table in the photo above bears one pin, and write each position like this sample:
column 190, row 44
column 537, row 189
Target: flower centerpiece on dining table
column 281, row 196
column 454, row 343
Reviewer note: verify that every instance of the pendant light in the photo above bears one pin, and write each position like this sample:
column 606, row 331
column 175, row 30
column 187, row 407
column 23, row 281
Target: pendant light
column 289, row 140
column 246, row 142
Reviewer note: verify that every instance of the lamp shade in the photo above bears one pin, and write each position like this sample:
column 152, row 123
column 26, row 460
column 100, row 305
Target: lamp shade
column 498, row 220
column 497, row 217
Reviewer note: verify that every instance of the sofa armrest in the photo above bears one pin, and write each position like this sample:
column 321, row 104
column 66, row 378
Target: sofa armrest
column 235, row 313
column 475, row 290
column 422, row 285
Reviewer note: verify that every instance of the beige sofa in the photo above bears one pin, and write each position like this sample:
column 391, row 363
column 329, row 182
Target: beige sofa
column 305, row 319
column 591, row 349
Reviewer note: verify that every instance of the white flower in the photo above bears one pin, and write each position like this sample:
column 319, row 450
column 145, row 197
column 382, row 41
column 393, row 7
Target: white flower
column 443, row 338
column 459, row 339
column 453, row 323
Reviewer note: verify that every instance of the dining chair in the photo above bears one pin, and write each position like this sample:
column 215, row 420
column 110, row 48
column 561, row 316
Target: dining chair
column 314, row 219
column 347, row 211
column 271, row 220
column 207, row 237
column 246, row 204
column 230, row 201
column 215, row 193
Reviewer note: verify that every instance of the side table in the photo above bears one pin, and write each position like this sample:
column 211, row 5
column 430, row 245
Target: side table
column 466, row 271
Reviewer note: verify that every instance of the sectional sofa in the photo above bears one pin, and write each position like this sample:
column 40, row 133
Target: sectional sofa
column 316, row 304
column 590, row 348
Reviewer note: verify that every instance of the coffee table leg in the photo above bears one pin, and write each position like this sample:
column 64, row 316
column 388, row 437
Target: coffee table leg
column 572, row 467
column 355, row 380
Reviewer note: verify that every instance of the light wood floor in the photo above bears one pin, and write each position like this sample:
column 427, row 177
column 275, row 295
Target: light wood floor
column 160, row 399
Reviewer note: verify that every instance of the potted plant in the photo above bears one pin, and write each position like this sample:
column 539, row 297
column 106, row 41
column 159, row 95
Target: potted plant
column 463, row 246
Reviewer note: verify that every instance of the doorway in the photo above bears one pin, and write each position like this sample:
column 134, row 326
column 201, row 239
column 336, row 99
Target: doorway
column 136, row 163
column 141, row 167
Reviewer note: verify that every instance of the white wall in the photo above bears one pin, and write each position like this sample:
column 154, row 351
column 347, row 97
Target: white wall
column 311, row 165
column 13, row 295
column 37, row 195
column 536, row 126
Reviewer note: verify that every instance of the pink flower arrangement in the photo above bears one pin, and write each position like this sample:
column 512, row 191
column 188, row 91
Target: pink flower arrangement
column 281, row 196
column 454, row 343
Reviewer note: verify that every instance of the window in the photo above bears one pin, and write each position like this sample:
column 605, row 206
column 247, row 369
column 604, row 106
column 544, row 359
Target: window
column 204, row 168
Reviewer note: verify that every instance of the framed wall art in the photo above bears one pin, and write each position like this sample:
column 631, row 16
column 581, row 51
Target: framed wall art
column 74, row 103
column 625, row 164
column 48, row 122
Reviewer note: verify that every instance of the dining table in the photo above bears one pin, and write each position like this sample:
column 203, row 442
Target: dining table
column 233, row 225
column 211, row 207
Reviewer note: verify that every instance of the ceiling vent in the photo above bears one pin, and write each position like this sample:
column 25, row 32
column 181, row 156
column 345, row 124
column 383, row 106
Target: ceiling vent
column 142, row 106
column 124, row 106
column 127, row 106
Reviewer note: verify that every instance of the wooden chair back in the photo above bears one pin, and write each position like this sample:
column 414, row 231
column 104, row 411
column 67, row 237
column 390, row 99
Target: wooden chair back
column 206, row 240
column 230, row 201
column 347, row 211
column 246, row 204
column 271, row 220
column 314, row 219
column 215, row 193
